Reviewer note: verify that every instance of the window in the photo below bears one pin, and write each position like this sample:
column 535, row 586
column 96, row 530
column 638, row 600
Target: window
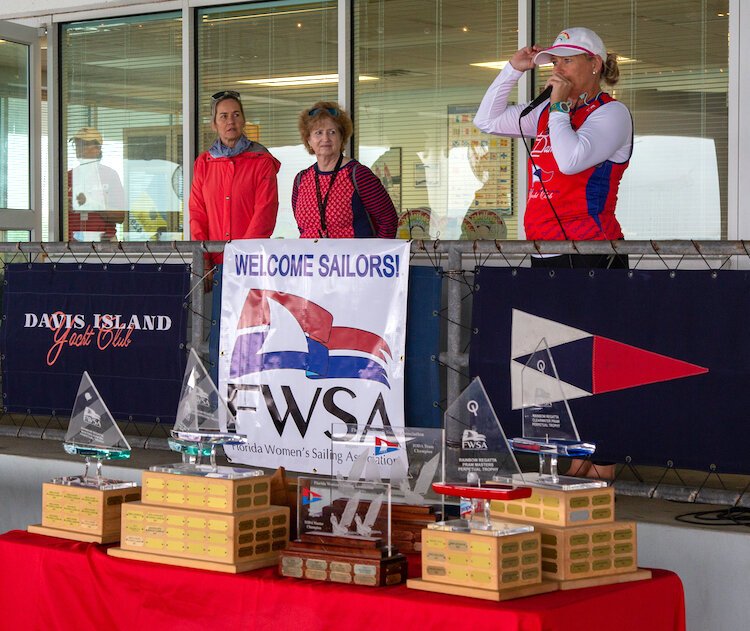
column 281, row 57
column 423, row 69
column 674, row 78
column 121, row 82
column 14, row 125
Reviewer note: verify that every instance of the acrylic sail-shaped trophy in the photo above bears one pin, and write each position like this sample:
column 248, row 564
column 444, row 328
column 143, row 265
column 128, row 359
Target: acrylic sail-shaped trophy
column 549, row 430
column 344, row 534
column 409, row 458
column 358, row 511
column 93, row 434
column 203, row 423
column 479, row 464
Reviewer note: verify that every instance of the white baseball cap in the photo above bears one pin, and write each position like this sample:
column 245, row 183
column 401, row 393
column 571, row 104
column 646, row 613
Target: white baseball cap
column 573, row 41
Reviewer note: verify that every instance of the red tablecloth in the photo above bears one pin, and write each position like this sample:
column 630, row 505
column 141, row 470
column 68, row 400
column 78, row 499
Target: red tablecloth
column 49, row 583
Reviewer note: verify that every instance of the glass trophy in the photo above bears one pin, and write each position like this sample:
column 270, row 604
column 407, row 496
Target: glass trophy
column 93, row 434
column 549, row 430
column 358, row 512
column 203, row 423
column 410, row 458
column 479, row 464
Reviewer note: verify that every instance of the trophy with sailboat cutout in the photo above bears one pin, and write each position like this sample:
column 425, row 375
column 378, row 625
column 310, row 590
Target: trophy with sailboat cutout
column 409, row 458
column 196, row 513
column 87, row 507
column 581, row 541
column 203, row 423
column 549, row 430
column 344, row 534
column 478, row 555
column 479, row 464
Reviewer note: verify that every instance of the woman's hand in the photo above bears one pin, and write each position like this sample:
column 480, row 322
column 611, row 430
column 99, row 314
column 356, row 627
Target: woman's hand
column 523, row 59
column 208, row 281
column 561, row 88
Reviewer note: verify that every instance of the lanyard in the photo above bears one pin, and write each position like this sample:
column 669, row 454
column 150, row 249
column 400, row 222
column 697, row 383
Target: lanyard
column 323, row 201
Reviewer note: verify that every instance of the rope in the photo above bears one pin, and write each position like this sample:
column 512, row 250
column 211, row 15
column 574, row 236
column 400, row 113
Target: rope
column 667, row 469
column 449, row 367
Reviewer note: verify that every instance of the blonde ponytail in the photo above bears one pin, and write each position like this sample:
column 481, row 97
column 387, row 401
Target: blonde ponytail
column 610, row 70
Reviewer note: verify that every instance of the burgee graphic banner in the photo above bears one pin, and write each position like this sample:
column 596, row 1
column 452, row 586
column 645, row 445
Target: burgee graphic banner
column 655, row 365
column 312, row 333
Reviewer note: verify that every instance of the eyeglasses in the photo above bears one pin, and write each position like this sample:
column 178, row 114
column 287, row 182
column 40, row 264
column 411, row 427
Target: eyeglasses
column 331, row 110
column 225, row 94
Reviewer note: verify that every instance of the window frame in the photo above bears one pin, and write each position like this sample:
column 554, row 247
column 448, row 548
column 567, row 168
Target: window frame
column 28, row 218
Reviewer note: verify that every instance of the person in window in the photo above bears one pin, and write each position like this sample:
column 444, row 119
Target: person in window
column 584, row 140
column 337, row 197
column 234, row 194
column 96, row 198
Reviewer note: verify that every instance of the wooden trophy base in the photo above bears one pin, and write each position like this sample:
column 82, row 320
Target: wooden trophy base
column 613, row 579
column 350, row 560
column 231, row 568
column 407, row 523
column 84, row 513
column 484, row 594
column 86, row 537
column 226, row 539
column 556, row 507
column 205, row 493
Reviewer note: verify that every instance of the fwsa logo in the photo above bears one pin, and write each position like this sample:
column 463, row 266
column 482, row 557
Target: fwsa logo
column 472, row 439
column 278, row 330
column 310, row 497
column 383, row 446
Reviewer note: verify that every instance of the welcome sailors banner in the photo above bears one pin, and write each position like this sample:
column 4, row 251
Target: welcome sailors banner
column 312, row 333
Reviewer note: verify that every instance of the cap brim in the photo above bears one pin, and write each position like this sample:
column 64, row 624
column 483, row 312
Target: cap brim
column 545, row 56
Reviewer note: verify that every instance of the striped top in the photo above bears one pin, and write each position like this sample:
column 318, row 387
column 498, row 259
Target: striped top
column 358, row 205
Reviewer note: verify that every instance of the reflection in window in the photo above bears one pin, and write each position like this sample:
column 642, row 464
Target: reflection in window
column 674, row 78
column 14, row 125
column 433, row 68
column 122, row 120
column 281, row 57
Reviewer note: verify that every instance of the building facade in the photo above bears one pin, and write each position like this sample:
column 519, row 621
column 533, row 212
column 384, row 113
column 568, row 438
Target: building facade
column 138, row 78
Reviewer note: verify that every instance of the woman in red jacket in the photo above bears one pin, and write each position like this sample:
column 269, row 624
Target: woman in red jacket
column 234, row 193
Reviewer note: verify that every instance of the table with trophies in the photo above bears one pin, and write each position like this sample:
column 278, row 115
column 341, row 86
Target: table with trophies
column 411, row 526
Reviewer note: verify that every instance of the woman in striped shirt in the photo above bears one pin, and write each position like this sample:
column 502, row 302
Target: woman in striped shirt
column 337, row 197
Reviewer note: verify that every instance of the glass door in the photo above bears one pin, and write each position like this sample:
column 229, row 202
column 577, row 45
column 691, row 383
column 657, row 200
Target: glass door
column 20, row 104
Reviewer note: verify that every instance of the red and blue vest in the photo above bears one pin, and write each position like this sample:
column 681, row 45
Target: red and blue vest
column 584, row 202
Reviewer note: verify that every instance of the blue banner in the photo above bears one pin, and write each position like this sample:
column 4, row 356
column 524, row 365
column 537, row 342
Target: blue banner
column 655, row 365
column 124, row 324
column 423, row 348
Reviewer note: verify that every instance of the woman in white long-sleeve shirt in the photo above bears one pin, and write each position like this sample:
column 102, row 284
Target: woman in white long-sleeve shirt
column 584, row 140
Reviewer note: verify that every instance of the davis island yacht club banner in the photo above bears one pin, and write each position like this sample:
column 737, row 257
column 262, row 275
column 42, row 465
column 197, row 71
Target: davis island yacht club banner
column 126, row 325
column 312, row 333
column 654, row 365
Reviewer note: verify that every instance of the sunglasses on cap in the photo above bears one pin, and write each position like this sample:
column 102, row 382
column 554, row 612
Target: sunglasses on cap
column 225, row 94
column 331, row 110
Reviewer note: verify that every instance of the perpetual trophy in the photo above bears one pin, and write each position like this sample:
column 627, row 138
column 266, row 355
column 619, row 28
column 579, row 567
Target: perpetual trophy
column 478, row 555
column 549, row 430
column 87, row 507
column 203, row 423
column 344, row 534
column 196, row 513
column 409, row 458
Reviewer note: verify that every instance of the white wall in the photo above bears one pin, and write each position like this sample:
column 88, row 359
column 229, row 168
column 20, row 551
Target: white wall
column 713, row 567
column 21, row 480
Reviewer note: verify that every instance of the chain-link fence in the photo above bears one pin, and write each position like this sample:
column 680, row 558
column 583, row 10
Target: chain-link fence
column 456, row 261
